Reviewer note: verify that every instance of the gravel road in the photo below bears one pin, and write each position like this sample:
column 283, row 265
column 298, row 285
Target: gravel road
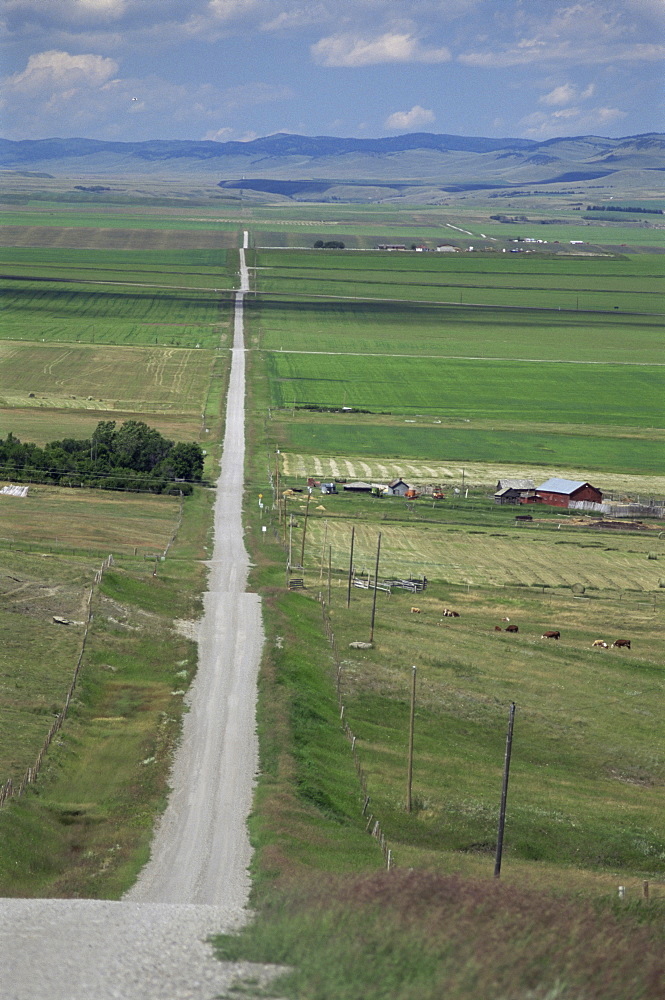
column 151, row 945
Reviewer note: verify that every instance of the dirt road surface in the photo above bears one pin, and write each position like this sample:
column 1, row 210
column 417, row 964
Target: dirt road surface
column 152, row 944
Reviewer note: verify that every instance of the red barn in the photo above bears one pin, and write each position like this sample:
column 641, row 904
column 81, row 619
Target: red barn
column 559, row 492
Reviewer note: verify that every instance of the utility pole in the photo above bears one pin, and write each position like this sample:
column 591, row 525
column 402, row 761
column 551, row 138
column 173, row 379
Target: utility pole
column 412, row 716
column 329, row 574
column 376, row 580
column 348, row 593
column 504, row 791
column 304, row 534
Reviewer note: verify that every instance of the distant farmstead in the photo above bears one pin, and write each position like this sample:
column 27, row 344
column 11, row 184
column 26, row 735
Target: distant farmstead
column 514, row 490
column 447, row 248
column 560, row 492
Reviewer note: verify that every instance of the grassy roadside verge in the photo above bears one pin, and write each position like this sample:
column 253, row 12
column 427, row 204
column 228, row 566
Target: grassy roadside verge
column 84, row 828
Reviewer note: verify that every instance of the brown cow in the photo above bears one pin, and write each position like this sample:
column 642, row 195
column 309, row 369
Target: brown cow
column 621, row 643
column 512, row 628
column 447, row 613
column 551, row 635
column 415, row 611
column 497, row 628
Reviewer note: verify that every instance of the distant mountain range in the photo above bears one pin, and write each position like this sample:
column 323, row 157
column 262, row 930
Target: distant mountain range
column 312, row 167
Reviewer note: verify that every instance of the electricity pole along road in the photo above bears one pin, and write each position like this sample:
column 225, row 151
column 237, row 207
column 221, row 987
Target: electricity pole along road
column 151, row 944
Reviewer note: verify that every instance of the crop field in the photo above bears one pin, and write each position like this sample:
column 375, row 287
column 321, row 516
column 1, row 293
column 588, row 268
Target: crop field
column 203, row 269
column 564, row 393
column 138, row 380
column 45, row 310
column 55, row 216
column 117, row 238
column 507, row 281
column 554, row 448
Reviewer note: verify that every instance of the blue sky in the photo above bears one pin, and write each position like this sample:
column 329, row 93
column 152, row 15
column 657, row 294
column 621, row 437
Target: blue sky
column 237, row 69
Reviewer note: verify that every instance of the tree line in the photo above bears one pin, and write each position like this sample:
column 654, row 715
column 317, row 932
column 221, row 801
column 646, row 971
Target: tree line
column 622, row 208
column 131, row 457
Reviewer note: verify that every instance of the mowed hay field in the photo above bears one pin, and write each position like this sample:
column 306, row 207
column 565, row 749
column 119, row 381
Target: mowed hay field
column 92, row 377
column 500, row 557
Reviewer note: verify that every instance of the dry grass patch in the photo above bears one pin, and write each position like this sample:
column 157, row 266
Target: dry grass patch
column 89, row 519
column 41, row 425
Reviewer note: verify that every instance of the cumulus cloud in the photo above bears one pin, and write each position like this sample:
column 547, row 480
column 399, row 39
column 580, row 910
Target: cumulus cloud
column 566, row 93
column 58, row 93
column 46, row 71
column 414, row 118
column 392, row 46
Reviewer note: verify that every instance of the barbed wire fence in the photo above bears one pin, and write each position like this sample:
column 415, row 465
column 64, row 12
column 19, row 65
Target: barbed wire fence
column 373, row 825
column 10, row 789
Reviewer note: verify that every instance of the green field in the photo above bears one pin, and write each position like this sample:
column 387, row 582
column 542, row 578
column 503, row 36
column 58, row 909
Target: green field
column 44, row 310
column 560, row 393
column 506, row 281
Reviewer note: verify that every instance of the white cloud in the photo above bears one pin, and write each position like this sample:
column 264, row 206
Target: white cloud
column 414, row 118
column 62, row 71
column 563, row 94
column 226, row 10
column 59, row 94
column 391, row 46
column 566, row 93
column 568, row 121
column 586, row 32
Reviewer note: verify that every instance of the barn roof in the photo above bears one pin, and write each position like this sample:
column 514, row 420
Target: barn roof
column 396, row 482
column 517, row 484
column 561, row 485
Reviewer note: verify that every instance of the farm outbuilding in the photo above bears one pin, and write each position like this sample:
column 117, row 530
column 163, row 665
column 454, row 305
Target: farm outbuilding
column 397, row 488
column 358, row 487
column 559, row 492
column 514, row 490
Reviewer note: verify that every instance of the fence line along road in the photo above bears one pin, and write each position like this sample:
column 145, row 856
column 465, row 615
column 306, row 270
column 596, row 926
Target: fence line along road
column 151, row 945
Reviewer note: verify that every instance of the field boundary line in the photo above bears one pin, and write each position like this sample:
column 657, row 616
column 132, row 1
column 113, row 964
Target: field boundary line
column 463, row 357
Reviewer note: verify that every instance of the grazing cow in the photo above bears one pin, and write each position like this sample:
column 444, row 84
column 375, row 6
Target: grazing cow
column 447, row 613
column 512, row 628
column 621, row 643
column 551, row 635
column 415, row 611
column 600, row 643
column 497, row 628
column 505, row 619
